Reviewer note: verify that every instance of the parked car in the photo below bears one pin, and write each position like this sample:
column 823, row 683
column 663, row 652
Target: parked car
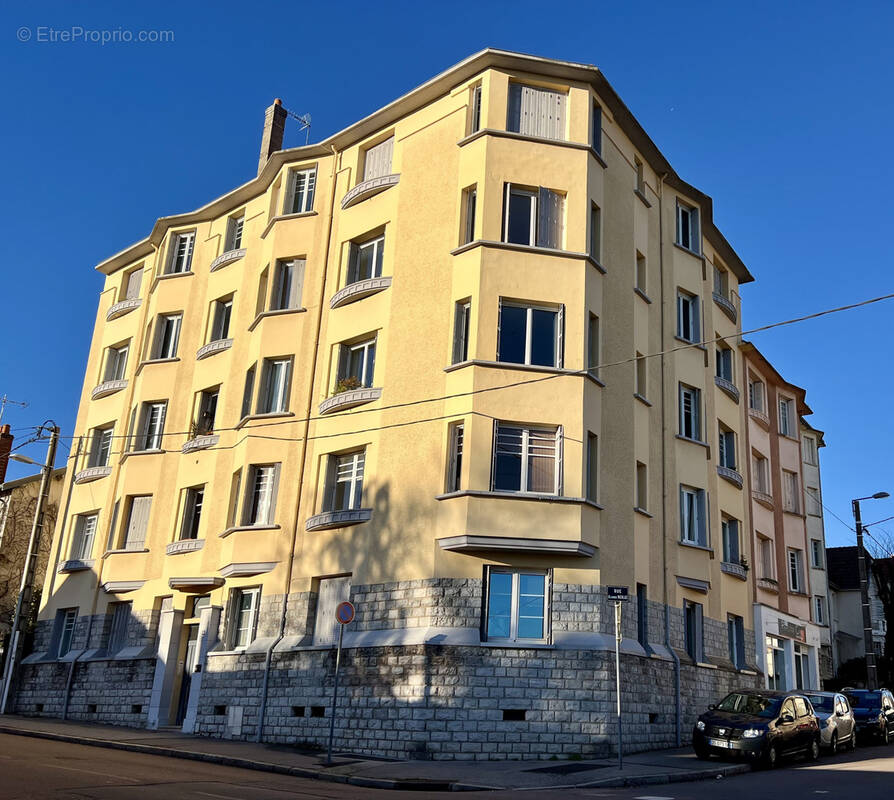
column 838, row 726
column 758, row 725
column 874, row 713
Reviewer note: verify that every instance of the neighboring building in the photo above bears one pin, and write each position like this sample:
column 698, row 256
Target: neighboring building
column 373, row 373
column 18, row 499
column 789, row 638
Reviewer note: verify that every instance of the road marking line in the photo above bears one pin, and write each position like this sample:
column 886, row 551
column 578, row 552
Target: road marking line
column 90, row 772
column 652, row 797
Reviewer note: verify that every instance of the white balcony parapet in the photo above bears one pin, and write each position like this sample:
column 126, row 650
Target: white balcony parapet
column 760, row 417
column 200, row 443
column 226, row 258
column 727, row 386
column 730, row 474
column 107, row 388
column 368, row 188
column 726, row 306
column 124, row 307
column 184, row 546
column 338, row 519
column 518, row 544
column 731, row 568
column 247, row 569
column 763, row 498
column 92, row 474
column 358, row 290
column 349, row 399
column 213, row 347
column 75, row 565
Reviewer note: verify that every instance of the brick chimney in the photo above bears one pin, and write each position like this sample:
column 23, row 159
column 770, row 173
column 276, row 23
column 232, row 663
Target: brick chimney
column 5, row 446
column 274, row 127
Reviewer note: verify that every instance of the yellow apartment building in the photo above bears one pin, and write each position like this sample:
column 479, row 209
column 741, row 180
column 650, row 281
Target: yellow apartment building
column 455, row 363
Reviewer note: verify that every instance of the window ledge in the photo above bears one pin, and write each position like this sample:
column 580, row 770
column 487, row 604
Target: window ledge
column 123, row 307
column 687, row 250
column 642, row 196
column 358, row 290
column 546, row 498
column 730, row 475
column 518, row 644
column 119, row 550
column 369, row 188
column 768, row 584
column 695, row 546
column 253, row 417
column 92, row 474
column 184, row 546
column 596, row 263
column 132, row 453
column 106, row 388
column 642, row 511
column 598, row 156
column 239, row 528
column 168, row 275
column 763, row 498
column 728, row 387
column 696, row 345
column 693, row 441
column 725, row 306
column 642, row 399
column 524, row 248
column 349, row 399
column 75, row 565
column 501, row 133
column 282, row 217
column 217, row 346
column 736, row 570
column 149, row 361
column 226, row 258
column 477, row 362
column 200, row 443
column 706, row 665
column 275, row 312
column 338, row 519
column 640, row 293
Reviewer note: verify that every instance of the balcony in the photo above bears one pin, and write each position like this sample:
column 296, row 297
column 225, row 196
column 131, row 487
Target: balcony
column 106, row 388
column 338, row 519
column 184, row 546
column 122, row 308
column 75, row 565
column 358, row 290
column 349, row 399
column 226, row 258
column 92, row 474
column 730, row 475
column 768, row 584
column 199, row 443
column 728, row 387
column 734, row 569
column 725, row 306
column 211, row 348
column 369, row 188
column 766, row 500
column 759, row 417
column 484, row 544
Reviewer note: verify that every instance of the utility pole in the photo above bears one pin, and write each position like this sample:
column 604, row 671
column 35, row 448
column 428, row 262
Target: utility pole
column 23, row 603
column 871, row 673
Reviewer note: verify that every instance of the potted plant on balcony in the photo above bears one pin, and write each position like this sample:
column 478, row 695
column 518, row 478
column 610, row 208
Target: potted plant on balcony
column 347, row 385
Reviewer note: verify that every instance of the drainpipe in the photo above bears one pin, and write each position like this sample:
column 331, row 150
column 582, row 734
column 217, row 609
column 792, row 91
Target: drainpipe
column 678, row 713
column 268, row 660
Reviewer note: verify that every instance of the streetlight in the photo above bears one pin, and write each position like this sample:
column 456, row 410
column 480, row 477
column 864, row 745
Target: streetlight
column 868, row 646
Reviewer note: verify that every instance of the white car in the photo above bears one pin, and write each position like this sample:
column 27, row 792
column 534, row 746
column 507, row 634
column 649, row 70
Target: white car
column 838, row 727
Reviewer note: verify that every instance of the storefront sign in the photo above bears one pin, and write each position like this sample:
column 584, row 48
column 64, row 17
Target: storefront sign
column 791, row 631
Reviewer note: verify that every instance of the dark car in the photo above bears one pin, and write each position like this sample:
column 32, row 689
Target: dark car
column 874, row 713
column 758, row 725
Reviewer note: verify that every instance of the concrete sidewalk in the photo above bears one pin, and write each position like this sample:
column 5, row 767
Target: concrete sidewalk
column 655, row 767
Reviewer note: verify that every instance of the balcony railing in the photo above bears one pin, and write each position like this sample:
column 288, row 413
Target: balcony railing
column 763, row 498
column 122, row 308
column 368, row 188
column 107, row 387
column 226, row 258
column 338, row 519
column 760, row 417
column 730, row 475
column 358, row 290
column 349, row 399
column 727, row 386
column 211, row 348
column 92, row 474
column 726, row 306
column 200, row 443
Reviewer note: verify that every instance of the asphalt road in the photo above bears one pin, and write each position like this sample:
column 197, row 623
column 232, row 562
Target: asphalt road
column 40, row 768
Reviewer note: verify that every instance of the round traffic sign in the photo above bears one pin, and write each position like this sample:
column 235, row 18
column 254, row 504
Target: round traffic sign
column 344, row 613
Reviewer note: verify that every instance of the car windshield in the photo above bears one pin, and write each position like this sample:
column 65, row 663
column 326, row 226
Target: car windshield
column 821, row 703
column 865, row 699
column 750, row 704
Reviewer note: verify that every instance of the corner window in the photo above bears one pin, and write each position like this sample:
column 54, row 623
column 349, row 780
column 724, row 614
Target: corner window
column 687, row 228
column 730, row 530
column 288, row 282
column 596, row 128
column 786, row 414
column 693, row 630
column 331, row 592
column 693, row 516
column 816, row 554
column 819, row 609
column 233, row 239
column 724, row 363
column 474, row 119
column 690, row 412
column 248, row 390
column 756, row 394
column 765, row 552
column 688, row 322
column 640, row 272
column 534, row 111
column 456, row 439
column 180, row 253
column 530, row 335
column 63, row 631
column 221, row 311
column 760, row 468
column 244, row 616
column 790, row 492
column 116, row 362
column 808, row 446
column 467, row 221
column 795, row 571
column 260, row 497
column 82, row 536
column 167, row 336
column 273, row 397
column 377, row 160
column 344, row 489
column 721, row 282
column 300, row 192
column 642, row 615
column 736, row 634
column 726, row 447
column 642, row 486
column 132, row 282
column 101, row 446
column 356, row 365
column 206, row 412
column 517, row 605
column 365, row 259
column 193, row 501
column 595, row 233
column 533, row 216
column 461, row 326
column 592, row 467
column 121, row 616
column 527, row 459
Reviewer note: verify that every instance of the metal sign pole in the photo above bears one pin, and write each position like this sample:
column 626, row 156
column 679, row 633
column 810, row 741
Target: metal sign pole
column 341, row 630
column 618, row 680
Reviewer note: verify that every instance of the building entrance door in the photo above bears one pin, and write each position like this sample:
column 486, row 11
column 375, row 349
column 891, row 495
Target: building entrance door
column 189, row 664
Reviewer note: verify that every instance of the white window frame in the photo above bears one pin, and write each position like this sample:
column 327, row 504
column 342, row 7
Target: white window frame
column 83, row 536
column 456, row 442
column 786, row 423
column 367, row 362
column 756, row 394
column 694, row 418
column 813, row 502
column 474, row 123
column 66, row 622
column 819, row 609
column 810, row 450
column 725, row 367
column 348, row 468
column 133, row 281
column 236, row 617
column 515, row 604
column 150, row 434
column 767, row 554
column 554, row 233
column 167, row 332
column 101, row 446
column 731, row 532
column 525, row 447
column 688, row 228
column 193, row 503
column 221, row 317
column 462, row 323
column 288, row 284
column 300, row 198
column 726, row 447
column 686, row 301
column 537, row 111
column 235, row 229
column 276, row 380
column 693, row 516
column 817, row 561
column 261, row 489
column 795, row 570
column 469, row 211
column 791, row 487
column 377, row 247
column 181, row 253
column 116, row 362
column 760, row 465
column 530, row 308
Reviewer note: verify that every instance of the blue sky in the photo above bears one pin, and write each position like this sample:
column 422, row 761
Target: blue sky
column 781, row 112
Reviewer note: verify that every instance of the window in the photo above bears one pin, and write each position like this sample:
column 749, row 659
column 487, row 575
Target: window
column 786, row 424
column 730, row 530
column 474, row 123
column 790, row 492
column 248, row 391
column 300, row 194
column 640, row 176
column 527, row 459
column 593, row 345
column 688, row 327
column 724, row 366
column 116, row 363
column 802, row 677
column 814, row 504
column 816, row 554
column 533, row 216
column 138, row 510
column 180, row 253
column 776, row 668
column 530, row 335
column 132, row 282
column 244, row 603
column 356, row 365
column 640, row 272
column 330, row 593
column 642, row 486
column 726, row 447
column 516, row 605
column 234, row 233
column 206, row 412
column 112, row 538
column 796, row 571
column 221, row 310
column 641, row 377
column 167, row 336
column 687, row 227
column 690, row 412
column 275, row 379
column 693, row 517
column 642, row 615
column 534, row 111
column 595, row 233
column 193, row 500
column 263, row 281
column 819, row 609
column 456, row 434
column 461, row 322
column 101, row 446
column 760, row 468
column 365, row 259
column 592, row 466
column 121, row 613
column 235, row 492
column 345, row 482
column 288, row 281
column 721, row 281
column 756, row 394
column 63, row 630
column 150, row 432
column 736, row 634
column 470, row 202
column 596, row 128
column 808, row 445
column 765, row 552
column 260, row 498
column 82, row 537
column 693, row 630
column 377, row 160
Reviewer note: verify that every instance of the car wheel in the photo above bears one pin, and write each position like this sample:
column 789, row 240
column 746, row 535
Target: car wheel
column 771, row 758
column 702, row 753
column 814, row 751
column 833, row 747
